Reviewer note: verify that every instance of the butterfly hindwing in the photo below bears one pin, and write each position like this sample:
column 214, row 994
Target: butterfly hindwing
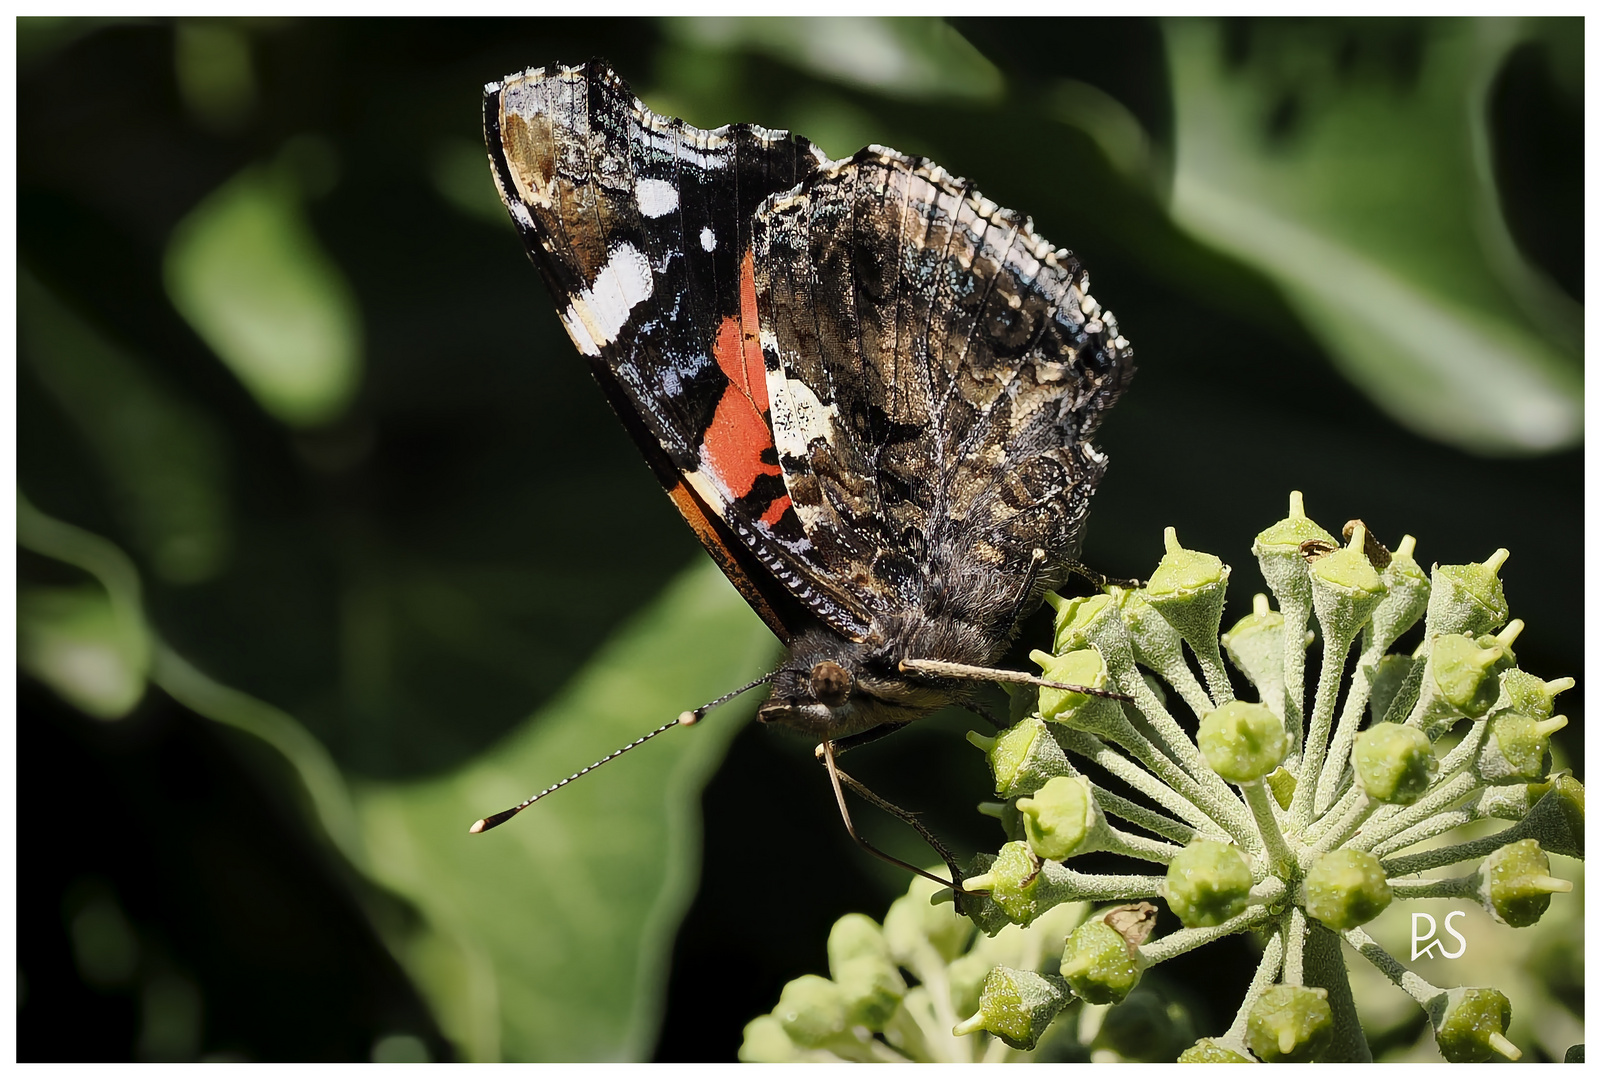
column 936, row 371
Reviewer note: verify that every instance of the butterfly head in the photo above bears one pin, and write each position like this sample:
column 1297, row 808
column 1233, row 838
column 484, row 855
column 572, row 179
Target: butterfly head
column 831, row 687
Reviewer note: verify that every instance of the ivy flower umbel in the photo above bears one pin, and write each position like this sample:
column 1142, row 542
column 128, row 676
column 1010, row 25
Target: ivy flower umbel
column 1299, row 820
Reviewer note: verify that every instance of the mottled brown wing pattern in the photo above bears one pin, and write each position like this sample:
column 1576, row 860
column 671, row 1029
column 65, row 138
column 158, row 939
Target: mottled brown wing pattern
column 936, row 371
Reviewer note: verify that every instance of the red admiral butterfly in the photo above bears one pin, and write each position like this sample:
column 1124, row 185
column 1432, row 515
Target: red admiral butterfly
column 868, row 389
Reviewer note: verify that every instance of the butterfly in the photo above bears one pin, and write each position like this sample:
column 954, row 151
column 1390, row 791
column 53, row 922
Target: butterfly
column 869, row 390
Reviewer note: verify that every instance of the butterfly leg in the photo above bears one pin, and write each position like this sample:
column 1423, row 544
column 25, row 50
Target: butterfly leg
column 862, row 738
column 983, row 714
column 1100, row 581
column 826, row 753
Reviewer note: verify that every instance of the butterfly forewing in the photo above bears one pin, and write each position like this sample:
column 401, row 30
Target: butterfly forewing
column 639, row 224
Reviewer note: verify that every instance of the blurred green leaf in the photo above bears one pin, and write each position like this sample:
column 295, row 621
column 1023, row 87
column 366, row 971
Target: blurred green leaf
column 912, row 59
column 549, row 938
column 1357, row 175
column 215, row 76
column 74, row 640
column 248, row 273
column 456, row 166
column 162, row 458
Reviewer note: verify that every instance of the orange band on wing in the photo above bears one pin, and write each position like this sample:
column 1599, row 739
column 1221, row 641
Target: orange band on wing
column 738, row 439
column 755, row 369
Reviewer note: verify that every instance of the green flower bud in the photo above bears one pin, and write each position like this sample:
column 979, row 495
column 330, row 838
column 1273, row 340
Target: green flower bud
column 965, row 977
column 859, row 959
column 1278, row 551
column 1060, row 817
column 1515, row 883
column 855, row 937
column 1075, row 618
column 1017, row 1007
column 1394, row 763
column 1529, row 694
column 1346, row 590
column 1255, row 645
column 1188, row 590
column 1210, row 1052
column 1149, row 1026
column 1464, row 676
column 1468, row 599
column 979, row 906
column 766, row 1042
column 1100, row 965
column 873, row 990
column 1290, row 1023
column 1156, row 644
column 1207, row 883
column 1021, row 885
column 1083, row 712
column 1242, row 741
column 1470, row 1024
column 1406, row 597
column 1517, row 747
column 812, row 1010
column 913, row 922
column 1281, row 782
column 1388, row 678
column 1559, row 809
column 1023, row 757
column 1345, row 889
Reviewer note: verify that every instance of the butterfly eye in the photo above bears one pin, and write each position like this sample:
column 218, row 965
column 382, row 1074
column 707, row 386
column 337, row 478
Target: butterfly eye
column 831, row 684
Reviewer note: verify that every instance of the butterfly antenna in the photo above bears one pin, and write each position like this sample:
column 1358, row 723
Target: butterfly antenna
column 947, row 670
column 684, row 719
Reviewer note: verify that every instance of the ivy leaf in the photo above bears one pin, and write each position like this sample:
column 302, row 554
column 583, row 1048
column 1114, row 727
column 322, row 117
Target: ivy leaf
column 549, row 937
column 1356, row 173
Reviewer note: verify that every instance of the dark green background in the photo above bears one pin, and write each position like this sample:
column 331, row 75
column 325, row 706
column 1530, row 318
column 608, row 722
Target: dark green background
column 413, row 577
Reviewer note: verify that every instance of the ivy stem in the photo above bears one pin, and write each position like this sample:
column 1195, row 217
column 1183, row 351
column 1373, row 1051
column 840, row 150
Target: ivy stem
column 1093, row 749
column 930, row 970
column 1329, row 818
column 1439, row 823
column 1137, row 847
column 1267, row 823
column 1472, row 849
column 1294, row 945
column 1177, row 674
column 1356, row 703
column 1144, row 817
column 1182, row 941
column 1267, row 973
column 1217, row 676
column 1332, row 668
column 1118, row 652
column 1226, row 810
column 1297, row 611
column 1457, row 888
column 1417, row 988
column 1346, row 827
column 1441, row 798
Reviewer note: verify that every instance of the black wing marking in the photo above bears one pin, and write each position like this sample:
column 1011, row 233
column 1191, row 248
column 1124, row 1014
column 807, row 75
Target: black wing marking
column 640, row 225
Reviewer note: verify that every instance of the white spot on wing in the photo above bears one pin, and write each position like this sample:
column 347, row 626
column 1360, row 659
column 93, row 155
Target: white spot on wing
column 597, row 313
column 708, row 239
column 656, row 197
